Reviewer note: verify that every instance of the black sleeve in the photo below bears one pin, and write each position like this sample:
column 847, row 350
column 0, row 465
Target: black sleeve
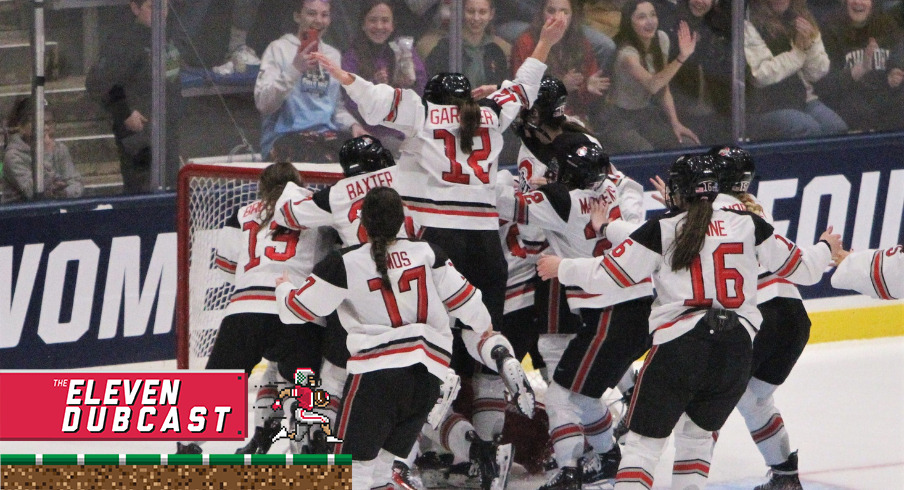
column 763, row 229
column 332, row 270
column 322, row 199
column 440, row 255
column 233, row 221
column 649, row 235
column 559, row 198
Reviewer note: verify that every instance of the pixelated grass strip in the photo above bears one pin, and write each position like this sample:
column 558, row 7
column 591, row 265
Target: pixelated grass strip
column 180, row 459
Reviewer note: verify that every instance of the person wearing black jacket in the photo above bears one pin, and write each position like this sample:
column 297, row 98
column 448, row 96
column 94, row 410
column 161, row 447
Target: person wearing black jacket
column 866, row 52
column 121, row 82
column 702, row 86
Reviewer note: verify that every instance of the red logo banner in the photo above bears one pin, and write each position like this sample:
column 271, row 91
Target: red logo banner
column 151, row 406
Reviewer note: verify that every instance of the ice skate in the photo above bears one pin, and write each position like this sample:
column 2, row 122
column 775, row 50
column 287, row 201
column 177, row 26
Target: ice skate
column 784, row 476
column 402, row 477
column 448, row 391
column 565, row 478
column 599, row 469
column 491, row 461
column 262, row 439
column 515, row 380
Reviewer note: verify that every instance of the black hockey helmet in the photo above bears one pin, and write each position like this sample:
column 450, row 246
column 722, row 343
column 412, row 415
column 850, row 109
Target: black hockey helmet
column 550, row 103
column 578, row 163
column 736, row 167
column 693, row 176
column 363, row 154
column 444, row 88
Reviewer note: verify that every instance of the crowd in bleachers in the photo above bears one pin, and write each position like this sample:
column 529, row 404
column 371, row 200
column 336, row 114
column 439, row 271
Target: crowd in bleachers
column 641, row 75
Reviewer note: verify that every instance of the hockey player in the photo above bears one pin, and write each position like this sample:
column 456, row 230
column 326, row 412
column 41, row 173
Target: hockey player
column 394, row 297
column 448, row 160
column 876, row 273
column 251, row 250
column 614, row 331
column 365, row 164
column 703, row 324
column 783, row 333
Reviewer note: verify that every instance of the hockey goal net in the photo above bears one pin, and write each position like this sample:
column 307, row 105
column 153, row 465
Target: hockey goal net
column 208, row 195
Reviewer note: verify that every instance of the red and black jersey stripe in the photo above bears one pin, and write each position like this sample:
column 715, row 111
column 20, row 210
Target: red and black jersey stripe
column 877, row 277
column 394, row 109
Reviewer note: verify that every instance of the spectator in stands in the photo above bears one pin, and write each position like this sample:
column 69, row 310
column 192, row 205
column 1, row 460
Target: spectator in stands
column 121, row 82
column 61, row 179
column 570, row 60
column 641, row 114
column 866, row 49
column 412, row 18
column 380, row 57
column 484, row 56
column 518, row 15
column 785, row 56
column 297, row 99
column 702, row 86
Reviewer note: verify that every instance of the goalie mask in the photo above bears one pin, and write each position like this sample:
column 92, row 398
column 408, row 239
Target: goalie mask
column 735, row 166
column 693, row 177
column 362, row 155
column 579, row 163
column 445, row 88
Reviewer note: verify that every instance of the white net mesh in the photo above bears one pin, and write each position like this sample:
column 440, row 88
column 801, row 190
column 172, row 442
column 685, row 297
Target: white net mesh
column 209, row 195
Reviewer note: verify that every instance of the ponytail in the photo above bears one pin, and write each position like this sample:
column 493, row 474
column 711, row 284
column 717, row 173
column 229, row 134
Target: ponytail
column 469, row 118
column 692, row 233
column 273, row 181
column 382, row 216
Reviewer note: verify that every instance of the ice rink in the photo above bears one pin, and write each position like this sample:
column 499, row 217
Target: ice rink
column 843, row 407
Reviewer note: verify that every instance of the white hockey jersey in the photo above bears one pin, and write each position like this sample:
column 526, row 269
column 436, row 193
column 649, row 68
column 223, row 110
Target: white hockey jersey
column 256, row 258
column 723, row 276
column 521, row 245
column 565, row 218
column 402, row 325
column 443, row 186
column 875, row 273
column 338, row 206
column 769, row 284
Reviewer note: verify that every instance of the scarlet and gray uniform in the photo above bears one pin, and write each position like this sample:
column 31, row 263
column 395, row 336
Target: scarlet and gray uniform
column 397, row 335
column 450, row 192
column 337, row 206
column 598, row 357
column 703, row 321
column 251, row 329
column 875, row 273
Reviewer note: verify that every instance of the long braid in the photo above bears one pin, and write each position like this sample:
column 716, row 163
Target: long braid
column 382, row 216
column 378, row 251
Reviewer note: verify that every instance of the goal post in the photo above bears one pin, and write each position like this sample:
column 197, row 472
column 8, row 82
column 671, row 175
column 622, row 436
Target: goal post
column 207, row 195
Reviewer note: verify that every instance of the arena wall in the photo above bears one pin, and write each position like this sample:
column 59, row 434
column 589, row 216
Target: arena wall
column 94, row 283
